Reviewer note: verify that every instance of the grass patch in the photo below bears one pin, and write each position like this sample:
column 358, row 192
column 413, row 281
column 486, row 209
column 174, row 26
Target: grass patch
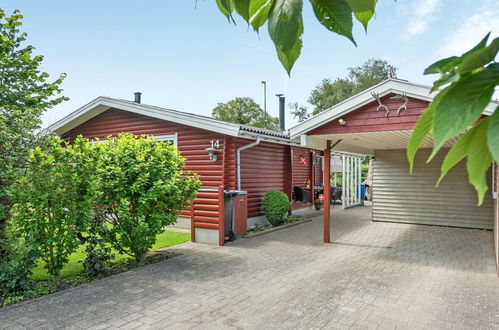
column 74, row 267
column 42, row 283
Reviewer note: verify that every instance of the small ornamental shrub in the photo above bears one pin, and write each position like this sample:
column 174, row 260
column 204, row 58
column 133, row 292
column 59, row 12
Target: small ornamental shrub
column 141, row 189
column 275, row 205
column 16, row 267
column 98, row 256
column 318, row 203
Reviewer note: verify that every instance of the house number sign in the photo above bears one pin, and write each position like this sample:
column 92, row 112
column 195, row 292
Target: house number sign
column 215, row 144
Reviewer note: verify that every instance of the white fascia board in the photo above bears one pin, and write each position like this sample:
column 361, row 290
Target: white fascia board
column 177, row 117
column 78, row 117
column 312, row 142
column 102, row 104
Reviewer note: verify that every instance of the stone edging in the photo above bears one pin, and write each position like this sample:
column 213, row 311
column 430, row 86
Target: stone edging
column 277, row 228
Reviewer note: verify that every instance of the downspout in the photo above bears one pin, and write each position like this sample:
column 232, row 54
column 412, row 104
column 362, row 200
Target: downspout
column 238, row 159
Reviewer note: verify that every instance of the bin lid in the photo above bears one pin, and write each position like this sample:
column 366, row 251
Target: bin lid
column 235, row 192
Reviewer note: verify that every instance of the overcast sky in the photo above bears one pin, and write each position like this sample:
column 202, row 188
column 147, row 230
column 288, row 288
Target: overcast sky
column 187, row 57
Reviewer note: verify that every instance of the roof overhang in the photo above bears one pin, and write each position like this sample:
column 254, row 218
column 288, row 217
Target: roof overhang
column 386, row 87
column 101, row 104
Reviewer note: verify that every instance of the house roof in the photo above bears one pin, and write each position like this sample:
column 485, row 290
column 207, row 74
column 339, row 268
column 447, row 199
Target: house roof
column 103, row 103
column 386, row 87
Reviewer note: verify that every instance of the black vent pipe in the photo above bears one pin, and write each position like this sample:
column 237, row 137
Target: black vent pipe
column 137, row 97
column 282, row 101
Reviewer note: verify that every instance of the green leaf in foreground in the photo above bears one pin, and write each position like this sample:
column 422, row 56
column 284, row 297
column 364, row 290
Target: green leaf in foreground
column 362, row 5
column 442, row 65
column 493, row 135
column 462, row 104
column 285, row 29
column 421, row 130
column 226, row 7
column 457, row 153
column 364, row 17
column 335, row 15
column 478, row 58
column 259, row 12
column 242, row 8
column 479, row 160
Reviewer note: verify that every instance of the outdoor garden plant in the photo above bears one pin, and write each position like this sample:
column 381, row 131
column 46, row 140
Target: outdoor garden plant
column 318, row 204
column 117, row 194
column 275, row 206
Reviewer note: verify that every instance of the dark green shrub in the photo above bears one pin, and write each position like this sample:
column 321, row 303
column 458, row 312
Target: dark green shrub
column 141, row 188
column 15, row 269
column 98, row 256
column 275, row 205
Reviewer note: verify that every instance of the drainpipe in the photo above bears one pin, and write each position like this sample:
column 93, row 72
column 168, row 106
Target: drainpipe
column 238, row 159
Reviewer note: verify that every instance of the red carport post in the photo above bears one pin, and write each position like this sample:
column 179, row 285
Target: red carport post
column 327, row 190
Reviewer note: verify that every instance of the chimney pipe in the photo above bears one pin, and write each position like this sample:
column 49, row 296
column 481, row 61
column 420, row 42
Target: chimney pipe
column 282, row 101
column 137, row 97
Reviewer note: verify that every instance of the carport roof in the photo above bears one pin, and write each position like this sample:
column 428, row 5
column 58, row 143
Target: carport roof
column 386, row 87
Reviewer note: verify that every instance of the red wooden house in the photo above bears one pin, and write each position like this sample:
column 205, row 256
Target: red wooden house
column 269, row 160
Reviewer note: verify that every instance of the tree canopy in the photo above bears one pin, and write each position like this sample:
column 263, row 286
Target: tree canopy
column 25, row 93
column 359, row 78
column 244, row 110
column 330, row 92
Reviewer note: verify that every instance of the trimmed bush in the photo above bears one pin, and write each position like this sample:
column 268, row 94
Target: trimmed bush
column 275, row 205
column 141, row 188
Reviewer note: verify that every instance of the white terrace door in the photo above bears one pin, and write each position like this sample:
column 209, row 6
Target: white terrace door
column 351, row 180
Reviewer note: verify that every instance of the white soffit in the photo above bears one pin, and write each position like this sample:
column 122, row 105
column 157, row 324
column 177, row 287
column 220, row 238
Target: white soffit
column 367, row 142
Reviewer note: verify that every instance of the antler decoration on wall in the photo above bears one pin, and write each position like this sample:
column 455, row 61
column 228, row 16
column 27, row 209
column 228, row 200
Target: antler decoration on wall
column 381, row 105
column 404, row 97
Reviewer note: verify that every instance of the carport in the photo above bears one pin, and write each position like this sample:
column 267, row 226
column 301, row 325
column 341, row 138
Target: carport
column 379, row 122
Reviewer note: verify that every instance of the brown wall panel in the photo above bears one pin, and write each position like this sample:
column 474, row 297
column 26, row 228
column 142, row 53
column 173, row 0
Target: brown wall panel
column 263, row 168
column 301, row 173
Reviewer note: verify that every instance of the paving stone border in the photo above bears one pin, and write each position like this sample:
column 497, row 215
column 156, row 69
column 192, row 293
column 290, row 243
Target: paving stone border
column 270, row 230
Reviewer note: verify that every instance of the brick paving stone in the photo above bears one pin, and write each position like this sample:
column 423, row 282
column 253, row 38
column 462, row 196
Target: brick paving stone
column 373, row 276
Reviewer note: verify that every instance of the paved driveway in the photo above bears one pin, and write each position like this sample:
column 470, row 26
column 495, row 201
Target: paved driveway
column 375, row 275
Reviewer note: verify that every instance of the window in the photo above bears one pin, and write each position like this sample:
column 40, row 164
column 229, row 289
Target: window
column 171, row 138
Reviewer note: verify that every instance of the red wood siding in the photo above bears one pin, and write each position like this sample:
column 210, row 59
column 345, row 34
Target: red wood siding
column 191, row 143
column 318, row 169
column 301, row 173
column 263, row 168
column 230, row 164
column 367, row 119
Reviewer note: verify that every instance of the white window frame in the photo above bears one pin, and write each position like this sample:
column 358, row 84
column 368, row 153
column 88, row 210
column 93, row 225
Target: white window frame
column 98, row 141
column 170, row 137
